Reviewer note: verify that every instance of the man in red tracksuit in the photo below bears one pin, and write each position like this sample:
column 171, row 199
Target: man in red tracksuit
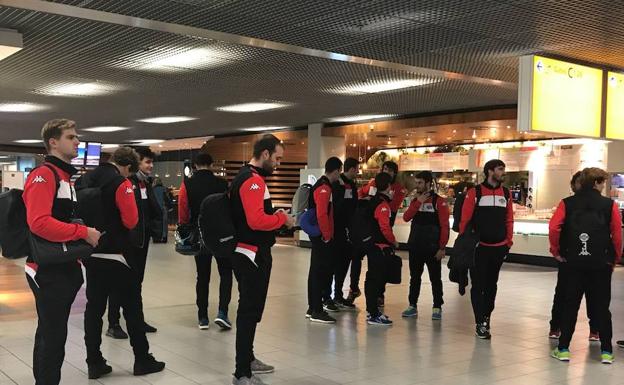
column 385, row 241
column 323, row 259
column 489, row 209
column 49, row 210
column 397, row 193
column 427, row 241
column 255, row 222
column 585, row 235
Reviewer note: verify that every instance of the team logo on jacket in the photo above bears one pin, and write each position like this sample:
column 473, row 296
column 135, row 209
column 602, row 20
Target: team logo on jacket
column 38, row 179
column 502, row 201
column 584, row 238
column 129, row 190
column 323, row 190
column 255, row 187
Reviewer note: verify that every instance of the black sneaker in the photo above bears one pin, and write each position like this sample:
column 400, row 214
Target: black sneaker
column 483, row 332
column 330, row 306
column 343, row 304
column 150, row 329
column 116, row 332
column 99, row 369
column 486, row 321
column 148, row 365
column 322, row 318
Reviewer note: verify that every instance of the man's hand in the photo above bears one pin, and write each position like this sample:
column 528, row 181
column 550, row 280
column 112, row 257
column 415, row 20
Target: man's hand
column 290, row 221
column 93, row 236
column 422, row 198
column 440, row 255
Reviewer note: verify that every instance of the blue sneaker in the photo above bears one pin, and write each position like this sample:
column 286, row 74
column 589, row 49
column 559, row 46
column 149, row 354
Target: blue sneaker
column 411, row 311
column 381, row 320
column 204, row 324
column 223, row 321
column 436, row 315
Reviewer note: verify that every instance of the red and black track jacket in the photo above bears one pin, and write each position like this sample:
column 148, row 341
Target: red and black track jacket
column 397, row 194
column 426, row 214
column 493, row 215
column 321, row 199
column 382, row 234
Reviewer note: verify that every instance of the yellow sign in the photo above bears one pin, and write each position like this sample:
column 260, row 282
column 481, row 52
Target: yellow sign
column 615, row 106
column 559, row 97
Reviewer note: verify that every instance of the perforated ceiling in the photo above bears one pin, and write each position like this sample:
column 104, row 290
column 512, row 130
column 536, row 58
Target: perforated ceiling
column 481, row 38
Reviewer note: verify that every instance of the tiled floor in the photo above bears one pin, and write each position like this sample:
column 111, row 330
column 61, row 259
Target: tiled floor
column 415, row 351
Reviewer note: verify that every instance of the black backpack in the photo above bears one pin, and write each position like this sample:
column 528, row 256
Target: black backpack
column 362, row 227
column 459, row 204
column 14, row 231
column 586, row 234
column 216, row 228
column 90, row 207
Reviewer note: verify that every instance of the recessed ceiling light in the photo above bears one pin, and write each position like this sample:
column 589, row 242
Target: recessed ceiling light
column 167, row 119
column 253, row 107
column 264, row 128
column 146, row 142
column 78, row 89
column 192, row 59
column 28, row 141
column 373, row 87
column 22, row 107
column 10, row 42
column 106, row 129
column 106, row 146
column 357, row 118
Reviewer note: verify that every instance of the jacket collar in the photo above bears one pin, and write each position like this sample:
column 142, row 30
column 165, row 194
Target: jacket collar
column 66, row 167
column 258, row 170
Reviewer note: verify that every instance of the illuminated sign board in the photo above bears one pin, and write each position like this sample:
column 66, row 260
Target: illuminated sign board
column 559, row 97
column 615, row 106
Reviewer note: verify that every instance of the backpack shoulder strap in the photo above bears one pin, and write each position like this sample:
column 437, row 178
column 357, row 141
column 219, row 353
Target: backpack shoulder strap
column 434, row 201
column 57, row 178
column 507, row 193
column 478, row 193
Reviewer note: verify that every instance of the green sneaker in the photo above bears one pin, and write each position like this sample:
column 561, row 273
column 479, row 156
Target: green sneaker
column 606, row 357
column 436, row 315
column 561, row 354
column 411, row 311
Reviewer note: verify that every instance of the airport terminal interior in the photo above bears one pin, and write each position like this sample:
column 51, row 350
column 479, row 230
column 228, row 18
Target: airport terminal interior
column 431, row 87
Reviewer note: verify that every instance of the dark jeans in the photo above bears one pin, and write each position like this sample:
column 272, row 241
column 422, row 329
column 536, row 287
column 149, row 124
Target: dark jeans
column 375, row 279
column 343, row 256
column 356, row 269
column 417, row 261
column 107, row 278
column 253, row 285
column 596, row 283
column 203, row 261
column 137, row 259
column 319, row 277
column 55, row 290
column 484, row 277
column 559, row 303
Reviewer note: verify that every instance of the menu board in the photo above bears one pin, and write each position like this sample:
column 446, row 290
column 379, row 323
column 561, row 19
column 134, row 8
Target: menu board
column 559, row 97
column 437, row 162
column 615, row 106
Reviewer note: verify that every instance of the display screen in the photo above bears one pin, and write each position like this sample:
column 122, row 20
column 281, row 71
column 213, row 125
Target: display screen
column 80, row 159
column 615, row 106
column 93, row 153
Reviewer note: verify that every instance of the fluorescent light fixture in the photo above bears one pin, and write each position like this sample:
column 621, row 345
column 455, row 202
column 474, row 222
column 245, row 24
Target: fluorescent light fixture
column 106, row 129
column 10, row 42
column 373, row 87
column 358, row 118
column 78, row 89
column 28, row 141
column 253, row 107
column 22, row 107
column 147, row 142
column 192, row 59
column 264, row 128
column 167, row 119
column 109, row 146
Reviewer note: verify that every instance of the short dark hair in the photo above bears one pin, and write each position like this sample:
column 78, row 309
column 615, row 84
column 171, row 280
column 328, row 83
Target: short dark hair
column 203, row 159
column 427, row 176
column 382, row 181
column 126, row 156
column 267, row 142
column 491, row 165
column 350, row 163
column 53, row 129
column 574, row 179
column 391, row 165
column 145, row 152
column 332, row 164
column 592, row 175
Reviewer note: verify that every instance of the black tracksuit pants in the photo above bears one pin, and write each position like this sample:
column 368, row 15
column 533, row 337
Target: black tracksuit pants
column 559, row 303
column 137, row 259
column 484, row 278
column 417, row 261
column 253, row 286
column 375, row 279
column 203, row 262
column 596, row 283
column 55, row 288
column 343, row 256
column 322, row 262
column 106, row 278
column 356, row 269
